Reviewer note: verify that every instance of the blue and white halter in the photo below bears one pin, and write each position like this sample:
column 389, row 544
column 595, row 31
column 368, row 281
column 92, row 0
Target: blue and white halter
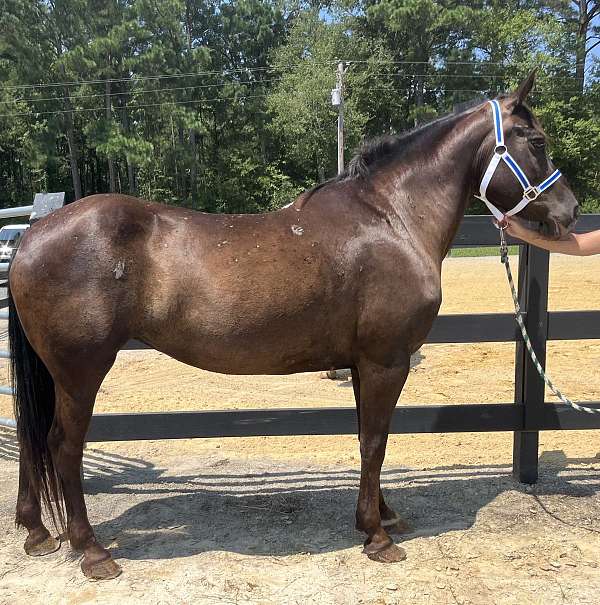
column 530, row 192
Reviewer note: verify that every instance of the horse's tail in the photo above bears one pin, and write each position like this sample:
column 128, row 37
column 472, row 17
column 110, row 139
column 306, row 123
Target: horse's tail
column 34, row 402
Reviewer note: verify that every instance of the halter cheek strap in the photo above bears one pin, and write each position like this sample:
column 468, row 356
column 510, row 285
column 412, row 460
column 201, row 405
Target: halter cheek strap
column 501, row 154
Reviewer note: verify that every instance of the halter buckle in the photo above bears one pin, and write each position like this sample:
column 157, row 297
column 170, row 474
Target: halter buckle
column 500, row 150
column 532, row 193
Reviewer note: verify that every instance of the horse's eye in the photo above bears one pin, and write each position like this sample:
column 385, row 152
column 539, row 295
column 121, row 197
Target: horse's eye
column 538, row 143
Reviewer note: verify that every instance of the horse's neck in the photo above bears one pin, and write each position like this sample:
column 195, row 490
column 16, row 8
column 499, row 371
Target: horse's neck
column 430, row 194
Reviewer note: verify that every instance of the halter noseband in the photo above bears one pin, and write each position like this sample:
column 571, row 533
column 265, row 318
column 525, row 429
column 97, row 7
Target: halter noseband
column 530, row 193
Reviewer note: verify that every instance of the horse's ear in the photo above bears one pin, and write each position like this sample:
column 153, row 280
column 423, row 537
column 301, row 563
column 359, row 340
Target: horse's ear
column 518, row 96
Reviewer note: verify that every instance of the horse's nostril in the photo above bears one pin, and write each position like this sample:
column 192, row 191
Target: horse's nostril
column 576, row 212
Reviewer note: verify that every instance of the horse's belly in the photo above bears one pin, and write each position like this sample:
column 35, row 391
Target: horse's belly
column 270, row 336
column 259, row 351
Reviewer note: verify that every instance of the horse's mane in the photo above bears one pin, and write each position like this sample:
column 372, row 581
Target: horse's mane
column 381, row 150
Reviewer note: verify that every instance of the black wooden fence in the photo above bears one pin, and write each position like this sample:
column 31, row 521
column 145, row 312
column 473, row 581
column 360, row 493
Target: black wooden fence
column 526, row 416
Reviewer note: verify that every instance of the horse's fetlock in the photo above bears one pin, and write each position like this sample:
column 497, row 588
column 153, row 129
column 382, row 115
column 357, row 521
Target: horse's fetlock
column 81, row 535
column 27, row 515
column 367, row 520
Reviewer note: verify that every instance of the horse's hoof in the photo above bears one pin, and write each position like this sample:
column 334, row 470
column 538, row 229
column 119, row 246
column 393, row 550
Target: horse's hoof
column 390, row 554
column 396, row 526
column 102, row 570
column 46, row 547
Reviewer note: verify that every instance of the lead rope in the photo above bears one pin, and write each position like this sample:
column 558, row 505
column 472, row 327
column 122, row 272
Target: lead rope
column 519, row 318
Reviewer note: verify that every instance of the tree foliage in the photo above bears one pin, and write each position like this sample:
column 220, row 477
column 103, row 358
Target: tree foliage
column 225, row 106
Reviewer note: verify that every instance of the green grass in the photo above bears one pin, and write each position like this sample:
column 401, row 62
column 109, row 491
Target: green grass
column 482, row 251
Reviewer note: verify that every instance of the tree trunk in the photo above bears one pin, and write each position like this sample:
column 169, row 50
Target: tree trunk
column 188, row 24
column 112, row 179
column 130, row 167
column 420, row 79
column 580, row 45
column 419, row 90
column 194, row 166
column 131, row 178
column 588, row 11
column 174, row 155
column 73, row 150
column 183, row 179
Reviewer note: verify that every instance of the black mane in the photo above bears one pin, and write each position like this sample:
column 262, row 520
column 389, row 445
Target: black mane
column 373, row 152
column 380, row 150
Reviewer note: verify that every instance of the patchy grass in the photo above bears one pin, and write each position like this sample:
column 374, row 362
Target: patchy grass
column 482, row 251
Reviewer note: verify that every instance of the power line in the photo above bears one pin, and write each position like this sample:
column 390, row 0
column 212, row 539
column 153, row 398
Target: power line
column 467, row 76
column 147, row 78
column 443, row 63
column 226, row 72
column 479, row 90
column 87, row 109
column 137, row 92
column 244, row 97
column 134, row 92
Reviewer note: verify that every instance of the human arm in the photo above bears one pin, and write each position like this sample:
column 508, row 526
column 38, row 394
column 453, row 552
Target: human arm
column 575, row 244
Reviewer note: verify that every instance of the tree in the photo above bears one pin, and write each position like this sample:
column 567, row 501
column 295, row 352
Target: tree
column 225, row 106
column 300, row 103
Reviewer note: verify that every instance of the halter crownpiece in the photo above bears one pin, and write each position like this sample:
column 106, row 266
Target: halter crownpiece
column 530, row 192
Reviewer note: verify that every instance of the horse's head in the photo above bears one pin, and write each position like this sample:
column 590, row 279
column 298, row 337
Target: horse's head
column 525, row 142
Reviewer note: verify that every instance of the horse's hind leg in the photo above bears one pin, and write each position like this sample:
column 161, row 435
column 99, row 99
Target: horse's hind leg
column 39, row 541
column 380, row 388
column 392, row 522
column 74, row 406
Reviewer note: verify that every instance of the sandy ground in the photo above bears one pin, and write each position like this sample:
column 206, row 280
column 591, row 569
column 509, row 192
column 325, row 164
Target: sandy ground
column 218, row 527
column 262, row 520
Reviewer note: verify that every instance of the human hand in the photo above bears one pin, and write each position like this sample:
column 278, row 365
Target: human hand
column 516, row 228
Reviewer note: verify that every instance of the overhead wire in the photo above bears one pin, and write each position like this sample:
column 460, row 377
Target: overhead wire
column 134, row 92
column 77, row 110
column 137, row 92
column 139, row 106
column 134, row 78
column 147, row 78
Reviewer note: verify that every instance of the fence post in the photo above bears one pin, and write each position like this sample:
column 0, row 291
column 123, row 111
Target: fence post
column 534, row 265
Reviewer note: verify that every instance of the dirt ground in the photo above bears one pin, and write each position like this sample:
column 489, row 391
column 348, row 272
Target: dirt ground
column 269, row 520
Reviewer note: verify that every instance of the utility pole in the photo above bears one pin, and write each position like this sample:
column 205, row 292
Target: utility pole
column 337, row 100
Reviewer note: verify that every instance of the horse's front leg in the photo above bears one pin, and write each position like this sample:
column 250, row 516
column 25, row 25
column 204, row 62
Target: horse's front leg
column 380, row 388
column 392, row 522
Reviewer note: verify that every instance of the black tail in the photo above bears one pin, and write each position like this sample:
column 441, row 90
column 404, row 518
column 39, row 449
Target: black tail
column 34, row 399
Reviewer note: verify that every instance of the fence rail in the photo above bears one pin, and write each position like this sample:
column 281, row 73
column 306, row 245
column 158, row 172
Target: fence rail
column 16, row 212
column 526, row 416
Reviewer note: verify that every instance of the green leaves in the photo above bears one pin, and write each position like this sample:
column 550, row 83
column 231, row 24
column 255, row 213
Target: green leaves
column 225, row 106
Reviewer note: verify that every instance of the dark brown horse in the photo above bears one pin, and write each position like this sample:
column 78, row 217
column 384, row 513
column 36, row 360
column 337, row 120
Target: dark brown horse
column 346, row 276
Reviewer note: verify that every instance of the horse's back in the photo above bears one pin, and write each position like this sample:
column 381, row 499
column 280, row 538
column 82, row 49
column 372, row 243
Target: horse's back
column 267, row 293
column 211, row 290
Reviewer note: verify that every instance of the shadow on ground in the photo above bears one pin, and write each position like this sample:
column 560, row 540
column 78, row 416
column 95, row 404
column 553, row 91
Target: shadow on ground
column 154, row 514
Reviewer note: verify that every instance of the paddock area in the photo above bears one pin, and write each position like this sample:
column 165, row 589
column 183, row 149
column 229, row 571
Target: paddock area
column 269, row 520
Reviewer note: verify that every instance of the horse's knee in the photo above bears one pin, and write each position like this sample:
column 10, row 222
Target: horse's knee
column 372, row 446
